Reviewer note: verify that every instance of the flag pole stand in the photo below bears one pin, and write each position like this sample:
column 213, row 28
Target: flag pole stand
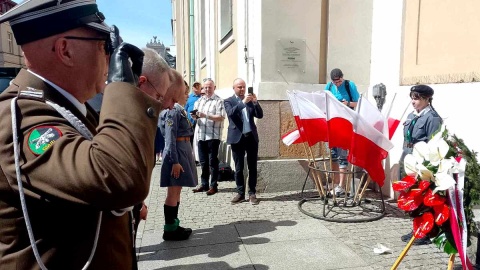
column 403, row 254
column 348, row 208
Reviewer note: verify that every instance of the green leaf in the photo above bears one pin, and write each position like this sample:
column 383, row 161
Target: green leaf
column 444, row 244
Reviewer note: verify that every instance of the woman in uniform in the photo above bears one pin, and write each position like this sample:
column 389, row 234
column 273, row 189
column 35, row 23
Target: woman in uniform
column 420, row 126
column 178, row 165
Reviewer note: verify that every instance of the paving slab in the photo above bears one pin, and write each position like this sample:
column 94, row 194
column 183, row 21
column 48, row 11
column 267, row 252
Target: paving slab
column 218, row 256
column 326, row 253
column 279, row 231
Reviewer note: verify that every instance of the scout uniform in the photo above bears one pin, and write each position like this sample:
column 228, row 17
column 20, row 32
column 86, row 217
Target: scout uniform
column 419, row 126
column 72, row 168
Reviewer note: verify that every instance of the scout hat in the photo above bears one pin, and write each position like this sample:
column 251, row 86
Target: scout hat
column 36, row 19
column 422, row 90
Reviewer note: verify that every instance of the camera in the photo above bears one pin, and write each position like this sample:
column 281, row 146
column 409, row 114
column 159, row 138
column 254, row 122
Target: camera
column 250, row 90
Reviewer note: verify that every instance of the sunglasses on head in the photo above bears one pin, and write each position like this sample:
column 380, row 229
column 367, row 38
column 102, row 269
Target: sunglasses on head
column 207, row 79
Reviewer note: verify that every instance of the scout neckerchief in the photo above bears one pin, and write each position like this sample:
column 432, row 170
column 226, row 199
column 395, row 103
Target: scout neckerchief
column 414, row 121
column 184, row 113
column 75, row 122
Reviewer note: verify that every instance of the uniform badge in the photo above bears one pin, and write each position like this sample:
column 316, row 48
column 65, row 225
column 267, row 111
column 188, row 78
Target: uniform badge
column 169, row 122
column 41, row 138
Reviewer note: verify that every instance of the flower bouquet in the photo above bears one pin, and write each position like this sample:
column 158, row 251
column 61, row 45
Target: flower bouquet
column 438, row 191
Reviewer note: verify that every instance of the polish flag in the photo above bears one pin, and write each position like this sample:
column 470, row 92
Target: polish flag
column 392, row 121
column 291, row 137
column 294, row 107
column 313, row 120
column 340, row 121
column 369, row 148
column 371, row 114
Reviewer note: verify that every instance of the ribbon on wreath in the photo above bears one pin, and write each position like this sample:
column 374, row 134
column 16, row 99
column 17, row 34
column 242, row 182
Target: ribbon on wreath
column 457, row 212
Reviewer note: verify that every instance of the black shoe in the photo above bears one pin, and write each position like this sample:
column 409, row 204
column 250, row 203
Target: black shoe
column 405, row 238
column 418, row 241
column 179, row 234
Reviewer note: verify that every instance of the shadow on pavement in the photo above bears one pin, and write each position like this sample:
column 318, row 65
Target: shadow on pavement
column 213, row 266
column 216, row 242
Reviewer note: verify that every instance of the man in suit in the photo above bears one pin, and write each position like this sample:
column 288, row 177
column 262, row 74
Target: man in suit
column 243, row 138
column 69, row 176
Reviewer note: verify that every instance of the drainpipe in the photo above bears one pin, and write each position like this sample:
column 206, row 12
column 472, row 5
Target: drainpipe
column 192, row 43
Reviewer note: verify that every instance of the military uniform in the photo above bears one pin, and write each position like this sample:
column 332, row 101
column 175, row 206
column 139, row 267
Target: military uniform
column 73, row 179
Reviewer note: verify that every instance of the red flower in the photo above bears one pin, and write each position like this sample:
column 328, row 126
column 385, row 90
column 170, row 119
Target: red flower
column 441, row 213
column 422, row 225
column 411, row 200
column 422, row 185
column 404, row 184
column 431, row 199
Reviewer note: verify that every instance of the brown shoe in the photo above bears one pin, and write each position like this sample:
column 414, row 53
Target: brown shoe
column 253, row 199
column 212, row 191
column 199, row 189
column 238, row 199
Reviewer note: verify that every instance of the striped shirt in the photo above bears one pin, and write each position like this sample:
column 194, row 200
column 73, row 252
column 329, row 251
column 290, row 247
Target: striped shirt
column 208, row 129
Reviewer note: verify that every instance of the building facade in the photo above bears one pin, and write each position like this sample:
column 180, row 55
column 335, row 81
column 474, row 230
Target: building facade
column 279, row 45
column 10, row 53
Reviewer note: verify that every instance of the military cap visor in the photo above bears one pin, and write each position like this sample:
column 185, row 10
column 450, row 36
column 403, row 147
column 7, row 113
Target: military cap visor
column 36, row 19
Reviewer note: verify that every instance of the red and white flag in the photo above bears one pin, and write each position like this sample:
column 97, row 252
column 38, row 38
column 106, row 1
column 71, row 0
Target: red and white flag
column 371, row 114
column 340, row 121
column 369, row 148
column 312, row 119
column 291, row 137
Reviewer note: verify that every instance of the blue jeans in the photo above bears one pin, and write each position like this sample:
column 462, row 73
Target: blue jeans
column 208, row 155
column 340, row 155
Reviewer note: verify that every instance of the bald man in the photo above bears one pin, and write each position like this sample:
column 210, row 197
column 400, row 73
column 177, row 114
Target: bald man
column 242, row 135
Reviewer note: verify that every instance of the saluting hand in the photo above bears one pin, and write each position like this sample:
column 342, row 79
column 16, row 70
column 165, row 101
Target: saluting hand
column 177, row 169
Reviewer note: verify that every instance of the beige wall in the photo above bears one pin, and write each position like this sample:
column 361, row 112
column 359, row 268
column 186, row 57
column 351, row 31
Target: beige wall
column 350, row 38
column 441, row 41
column 227, row 67
column 8, row 59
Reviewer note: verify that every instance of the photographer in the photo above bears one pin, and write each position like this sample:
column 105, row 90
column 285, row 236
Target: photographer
column 243, row 137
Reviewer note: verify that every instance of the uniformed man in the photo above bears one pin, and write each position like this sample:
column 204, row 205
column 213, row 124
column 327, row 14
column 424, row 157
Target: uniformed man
column 68, row 176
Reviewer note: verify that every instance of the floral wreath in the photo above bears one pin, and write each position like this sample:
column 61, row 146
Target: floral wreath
column 441, row 174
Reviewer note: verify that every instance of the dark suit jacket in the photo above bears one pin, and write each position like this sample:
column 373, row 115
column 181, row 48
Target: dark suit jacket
column 75, row 178
column 234, row 108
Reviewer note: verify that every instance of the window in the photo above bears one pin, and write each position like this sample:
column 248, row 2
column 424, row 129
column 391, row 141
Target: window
column 226, row 25
column 203, row 54
column 10, row 42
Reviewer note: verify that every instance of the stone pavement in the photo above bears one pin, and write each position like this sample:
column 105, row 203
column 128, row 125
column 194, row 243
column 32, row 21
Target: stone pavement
column 272, row 235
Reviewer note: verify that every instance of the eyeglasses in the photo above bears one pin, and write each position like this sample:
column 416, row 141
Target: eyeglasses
column 207, row 79
column 107, row 45
column 160, row 95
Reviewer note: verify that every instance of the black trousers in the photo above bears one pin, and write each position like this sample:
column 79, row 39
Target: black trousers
column 246, row 145
column 208, row 155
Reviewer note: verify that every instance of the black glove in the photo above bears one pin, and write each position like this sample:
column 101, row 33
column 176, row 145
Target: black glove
column 115, row 37
column 120, row 69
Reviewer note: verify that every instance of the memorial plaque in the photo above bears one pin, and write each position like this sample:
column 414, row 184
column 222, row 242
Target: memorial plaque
column 290, row 55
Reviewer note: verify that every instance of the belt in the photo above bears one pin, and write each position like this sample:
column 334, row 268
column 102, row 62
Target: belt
column 180, row 139
column 407, row 145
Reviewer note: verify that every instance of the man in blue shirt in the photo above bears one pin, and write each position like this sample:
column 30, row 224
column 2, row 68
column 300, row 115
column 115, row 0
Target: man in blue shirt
column 190, row 102
column 346, row 92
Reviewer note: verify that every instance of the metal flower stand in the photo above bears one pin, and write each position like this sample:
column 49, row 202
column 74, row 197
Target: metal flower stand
column 358, row 204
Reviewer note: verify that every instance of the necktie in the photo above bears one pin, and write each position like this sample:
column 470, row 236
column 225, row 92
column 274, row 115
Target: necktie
column 246, row 121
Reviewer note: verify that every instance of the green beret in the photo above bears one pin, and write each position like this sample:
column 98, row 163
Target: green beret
column 36, row 19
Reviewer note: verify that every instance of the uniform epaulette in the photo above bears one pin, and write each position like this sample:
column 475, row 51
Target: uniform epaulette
column 32, row 93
